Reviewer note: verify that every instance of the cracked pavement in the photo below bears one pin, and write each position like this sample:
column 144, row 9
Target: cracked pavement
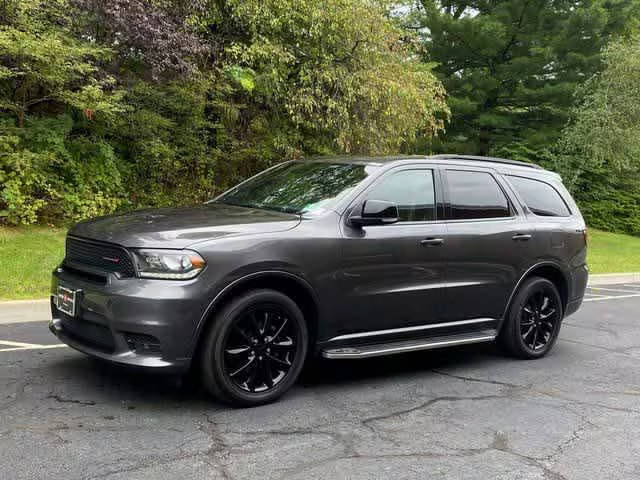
column 466, row 413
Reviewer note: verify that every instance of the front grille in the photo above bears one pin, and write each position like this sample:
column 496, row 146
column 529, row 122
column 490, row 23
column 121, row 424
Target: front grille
column 101, row 256
column 98, row 279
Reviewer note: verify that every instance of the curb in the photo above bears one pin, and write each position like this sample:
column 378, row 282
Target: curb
column 23, row 311
column 24, row 303
column 613, row 278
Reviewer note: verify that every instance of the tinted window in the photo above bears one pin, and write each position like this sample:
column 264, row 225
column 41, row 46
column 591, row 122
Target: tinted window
column 413, row 192
column 541, row 198
column 475, row 195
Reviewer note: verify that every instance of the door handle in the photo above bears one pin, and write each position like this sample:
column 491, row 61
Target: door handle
column 522, row 237
column 431, row 242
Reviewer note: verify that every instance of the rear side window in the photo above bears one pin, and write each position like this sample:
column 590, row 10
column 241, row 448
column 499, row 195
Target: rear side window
column 412, row 191
column 474, row 195
column 541, row 198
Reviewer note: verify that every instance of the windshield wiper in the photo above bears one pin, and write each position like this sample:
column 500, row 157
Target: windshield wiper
column 234, row 204
column 276, row 208
column 284, row 209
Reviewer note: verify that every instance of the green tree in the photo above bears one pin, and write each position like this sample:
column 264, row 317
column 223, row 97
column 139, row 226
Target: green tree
column 51, row 90
column 44, row 67
column 600, row 149
column 340, row 71
column 511, row 67
column 166, row 143
column 128, row 103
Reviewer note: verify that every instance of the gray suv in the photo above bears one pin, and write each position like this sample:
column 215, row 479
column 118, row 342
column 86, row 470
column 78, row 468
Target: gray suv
column 346, row 258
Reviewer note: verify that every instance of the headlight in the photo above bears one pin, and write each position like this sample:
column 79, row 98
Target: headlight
column 168, row 264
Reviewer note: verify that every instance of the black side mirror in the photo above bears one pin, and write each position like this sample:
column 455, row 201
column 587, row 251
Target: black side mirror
column 375, row 212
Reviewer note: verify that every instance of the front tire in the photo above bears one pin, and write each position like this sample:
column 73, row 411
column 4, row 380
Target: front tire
column 533, row 321
column 255, row 349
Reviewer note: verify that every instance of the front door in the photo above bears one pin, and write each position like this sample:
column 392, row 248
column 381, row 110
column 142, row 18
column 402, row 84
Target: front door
column 393, row 276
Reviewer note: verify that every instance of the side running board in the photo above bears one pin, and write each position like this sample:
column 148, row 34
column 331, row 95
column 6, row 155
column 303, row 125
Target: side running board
column 390, row 348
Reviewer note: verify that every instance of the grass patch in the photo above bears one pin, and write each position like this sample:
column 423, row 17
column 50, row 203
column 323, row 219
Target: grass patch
column 28, row 255
column 613, row 252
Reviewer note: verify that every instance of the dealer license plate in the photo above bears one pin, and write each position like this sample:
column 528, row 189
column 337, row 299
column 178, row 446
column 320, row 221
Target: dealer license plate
column 67, row 301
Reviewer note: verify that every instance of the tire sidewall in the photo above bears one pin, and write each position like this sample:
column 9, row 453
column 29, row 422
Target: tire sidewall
column 213, row 356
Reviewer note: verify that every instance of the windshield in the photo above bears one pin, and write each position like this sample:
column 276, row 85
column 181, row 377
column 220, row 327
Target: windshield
column 298, row 187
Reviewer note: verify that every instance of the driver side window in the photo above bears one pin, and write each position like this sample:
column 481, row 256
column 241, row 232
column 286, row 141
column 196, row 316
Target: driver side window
column 413, row 191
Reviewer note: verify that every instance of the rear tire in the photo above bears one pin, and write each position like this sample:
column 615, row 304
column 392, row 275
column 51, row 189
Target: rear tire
column 255, row 349
column 533, row 320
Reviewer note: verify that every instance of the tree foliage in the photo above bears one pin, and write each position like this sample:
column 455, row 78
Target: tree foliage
column 44, row 67
column 106, row 105
column 511, row 67
column 600, row 149
column 338, row 69
column 157, row 37
column 50, row 82
column 114, row 104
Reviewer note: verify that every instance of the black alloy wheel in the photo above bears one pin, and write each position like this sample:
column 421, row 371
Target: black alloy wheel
column 260, row 349
column 255, row 348
column 533, row 322
column 538, row 318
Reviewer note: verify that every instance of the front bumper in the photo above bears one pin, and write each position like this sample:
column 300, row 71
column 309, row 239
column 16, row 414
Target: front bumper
column 136, row 322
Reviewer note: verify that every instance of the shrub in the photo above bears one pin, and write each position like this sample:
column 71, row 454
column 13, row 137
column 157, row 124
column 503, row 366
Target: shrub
column 47, row 175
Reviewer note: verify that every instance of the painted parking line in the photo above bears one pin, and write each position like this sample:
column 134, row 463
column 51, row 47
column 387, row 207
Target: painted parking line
column 613, row 297
column 17, row 346
column 617, row 290
column 35, row 347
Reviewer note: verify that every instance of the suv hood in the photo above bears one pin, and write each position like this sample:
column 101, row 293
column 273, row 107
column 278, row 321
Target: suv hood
column 181, row 227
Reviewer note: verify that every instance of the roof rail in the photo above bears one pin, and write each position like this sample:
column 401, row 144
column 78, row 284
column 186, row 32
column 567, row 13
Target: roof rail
column 487, row 159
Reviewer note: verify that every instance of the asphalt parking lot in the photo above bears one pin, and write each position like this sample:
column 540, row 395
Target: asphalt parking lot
column 467, row 413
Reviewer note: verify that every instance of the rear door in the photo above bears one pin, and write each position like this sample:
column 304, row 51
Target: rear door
column 393, row 276
column 560, row 229
column 489, row 243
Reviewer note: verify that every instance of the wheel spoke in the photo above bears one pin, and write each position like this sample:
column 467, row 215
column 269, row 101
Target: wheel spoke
column 525, row 335
column 285, row 344
column 268, row 374
column 546, row 329
column 250, row 382
column 265, row 324
column 550, row 312
column 539, row 299
column 243, row 367
column 278, row 361
column 535, row 339
column 260, row 375
column 255, row 325
column 545, row 303
column 237, row 350
column 279, row 331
